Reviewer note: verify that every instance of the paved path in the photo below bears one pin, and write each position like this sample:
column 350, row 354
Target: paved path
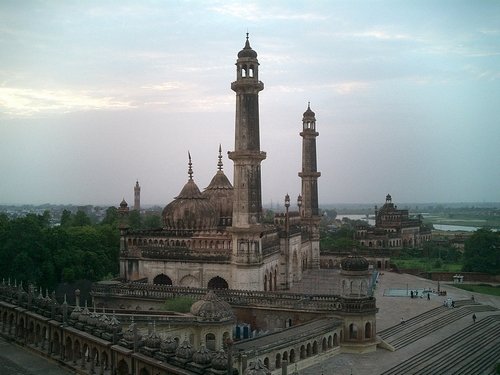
column 16, row 361
column 391, row 310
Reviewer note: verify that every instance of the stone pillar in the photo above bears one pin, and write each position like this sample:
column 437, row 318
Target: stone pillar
column 83, row 359
column 284, row 367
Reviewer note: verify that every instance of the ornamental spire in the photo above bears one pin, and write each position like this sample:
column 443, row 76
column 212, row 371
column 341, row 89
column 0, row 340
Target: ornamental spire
column 219, row 164
column 190, row 169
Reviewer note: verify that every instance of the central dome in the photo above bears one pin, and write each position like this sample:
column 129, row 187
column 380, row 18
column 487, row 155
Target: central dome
column 190, row 210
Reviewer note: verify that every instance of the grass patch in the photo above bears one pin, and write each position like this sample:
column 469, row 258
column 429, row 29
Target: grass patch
column 178, row 304
column 480, row 288
column 428, row 265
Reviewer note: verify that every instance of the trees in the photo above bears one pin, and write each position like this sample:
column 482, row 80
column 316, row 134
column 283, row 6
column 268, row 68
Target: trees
column 33, row 252
column 482, row 252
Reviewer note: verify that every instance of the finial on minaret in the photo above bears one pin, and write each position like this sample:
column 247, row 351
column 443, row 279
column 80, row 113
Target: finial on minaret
column 190, row 170
column 219, row 163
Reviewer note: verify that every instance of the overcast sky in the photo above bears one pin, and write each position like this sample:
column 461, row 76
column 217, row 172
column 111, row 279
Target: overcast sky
column 97, row 94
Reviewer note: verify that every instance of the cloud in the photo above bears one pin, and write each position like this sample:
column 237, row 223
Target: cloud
column 163, row 86
column 254, row 12
column 27, row 102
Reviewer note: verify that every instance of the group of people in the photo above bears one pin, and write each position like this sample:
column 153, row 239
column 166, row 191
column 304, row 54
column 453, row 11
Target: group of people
column 415, row 295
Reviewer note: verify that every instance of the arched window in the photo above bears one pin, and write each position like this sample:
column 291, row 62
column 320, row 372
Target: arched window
column 368, row 330
column 277, row 363
column 210, row 341
column 353, row 331
column 292, row 356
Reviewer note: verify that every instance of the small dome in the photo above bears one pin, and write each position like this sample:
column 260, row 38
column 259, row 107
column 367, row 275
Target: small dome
column 247, row 51
column 202, row 356
column 84, row 315
column 153, row 340
column 169, row 345
column 114, row 325
column 128, row 335
column 309, row 114
column 355, row 262
column 103, row 322
column 220, row 361
column 212, row 307
column 123, row 203
column 256, row 367
column 93, row 319
column 185, row 351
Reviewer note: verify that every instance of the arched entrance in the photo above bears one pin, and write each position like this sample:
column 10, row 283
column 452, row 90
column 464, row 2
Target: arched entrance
column 218, row 283
column 162, row 280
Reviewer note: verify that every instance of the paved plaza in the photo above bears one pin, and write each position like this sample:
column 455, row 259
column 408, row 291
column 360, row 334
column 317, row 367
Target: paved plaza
column 392, row 309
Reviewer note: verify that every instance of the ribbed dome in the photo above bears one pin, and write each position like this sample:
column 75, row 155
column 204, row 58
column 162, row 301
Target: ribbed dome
column 185, row 351
column 220, row 361
column 114, row 325
column 202, row 356
column 190, row 210
column 247, row 51
column 169, row 345
column 212, row 307
column 220, row 193
column 256, row 367
column 153, row 340
column 355, row 262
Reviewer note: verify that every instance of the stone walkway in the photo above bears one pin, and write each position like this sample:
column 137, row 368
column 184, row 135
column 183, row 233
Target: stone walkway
column 17, row 361
column 391, row 310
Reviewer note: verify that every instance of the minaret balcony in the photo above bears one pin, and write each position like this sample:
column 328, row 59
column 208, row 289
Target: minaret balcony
column 254, row 156
column 247, row 86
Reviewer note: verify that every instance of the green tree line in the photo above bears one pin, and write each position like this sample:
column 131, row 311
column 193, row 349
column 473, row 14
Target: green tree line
column 32, row 251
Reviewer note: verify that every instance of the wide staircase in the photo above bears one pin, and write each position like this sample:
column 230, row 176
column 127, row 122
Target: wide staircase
column 471, row 350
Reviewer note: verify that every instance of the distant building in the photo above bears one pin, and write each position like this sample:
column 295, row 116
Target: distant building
column 137, row 196
column 393, row 229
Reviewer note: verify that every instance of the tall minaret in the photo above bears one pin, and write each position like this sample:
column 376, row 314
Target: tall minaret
column 309, row 176
column 247, row 157
column 137, row 196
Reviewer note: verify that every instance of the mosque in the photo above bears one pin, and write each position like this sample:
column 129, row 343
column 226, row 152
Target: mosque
column 214, row 247
column 217, row 238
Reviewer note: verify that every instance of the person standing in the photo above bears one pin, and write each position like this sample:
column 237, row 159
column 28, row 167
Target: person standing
column 474, row 317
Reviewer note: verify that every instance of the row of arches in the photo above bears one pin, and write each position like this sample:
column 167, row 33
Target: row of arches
column 216, row 282
column 304, row 351
column 202, row 244
column 271, row 279
column 55, row 342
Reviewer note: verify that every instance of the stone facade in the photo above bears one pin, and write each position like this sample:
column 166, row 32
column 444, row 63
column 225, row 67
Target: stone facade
column 216, row 238
column 394, row 229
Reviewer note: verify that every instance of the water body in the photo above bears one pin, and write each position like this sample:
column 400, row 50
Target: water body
column 357, row 217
